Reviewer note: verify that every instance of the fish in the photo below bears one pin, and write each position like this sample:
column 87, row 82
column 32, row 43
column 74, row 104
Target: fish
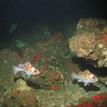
column 26, row 69
column 86, row 77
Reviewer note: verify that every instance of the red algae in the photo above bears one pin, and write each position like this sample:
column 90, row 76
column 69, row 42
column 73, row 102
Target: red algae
column 85, row 104
column 55, row 87
column 99, row 97
column 105, row 38
column 37, row 57
column 100, row 100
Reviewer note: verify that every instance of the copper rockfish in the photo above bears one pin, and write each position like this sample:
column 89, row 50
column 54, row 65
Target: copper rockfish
column 26, row 69
column 85, row 77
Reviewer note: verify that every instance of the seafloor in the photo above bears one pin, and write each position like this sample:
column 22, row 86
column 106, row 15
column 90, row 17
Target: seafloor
column 49, row 52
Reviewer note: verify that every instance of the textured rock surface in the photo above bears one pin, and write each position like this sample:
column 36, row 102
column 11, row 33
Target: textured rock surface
column 21, row 85
column 20, row 95
column 46, row 79
column 53, row 87
column 90, row 41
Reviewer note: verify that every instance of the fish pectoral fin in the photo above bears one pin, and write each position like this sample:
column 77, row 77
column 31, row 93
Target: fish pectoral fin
column 28, row 76
column 85, row 84
column 16, row 70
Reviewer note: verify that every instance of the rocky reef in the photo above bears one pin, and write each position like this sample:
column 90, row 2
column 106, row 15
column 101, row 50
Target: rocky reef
column 53, row 87
column 89, row 41
column 20, row 95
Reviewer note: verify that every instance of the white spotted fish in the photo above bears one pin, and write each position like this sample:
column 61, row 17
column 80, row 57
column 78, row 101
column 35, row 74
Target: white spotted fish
column 26, row 69
column 85, row 77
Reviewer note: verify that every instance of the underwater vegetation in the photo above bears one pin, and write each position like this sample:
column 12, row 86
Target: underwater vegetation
column 43, row 74
column 20, row 44
column 19, row 47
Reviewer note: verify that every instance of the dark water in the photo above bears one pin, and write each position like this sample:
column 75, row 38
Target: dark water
column 29, row 13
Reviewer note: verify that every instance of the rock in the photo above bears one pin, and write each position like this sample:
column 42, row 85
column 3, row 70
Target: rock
column 91, row 45
column 46, row 80
column 90, row 24
column 21, row 85
column 21, row 95
column 55, row 76
column 82, row 44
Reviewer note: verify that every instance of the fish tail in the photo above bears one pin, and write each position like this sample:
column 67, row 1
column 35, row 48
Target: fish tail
column 73, row 75
column 16, row 70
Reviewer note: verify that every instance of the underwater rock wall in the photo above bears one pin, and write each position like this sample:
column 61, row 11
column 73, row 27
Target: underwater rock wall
column 90, row 41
